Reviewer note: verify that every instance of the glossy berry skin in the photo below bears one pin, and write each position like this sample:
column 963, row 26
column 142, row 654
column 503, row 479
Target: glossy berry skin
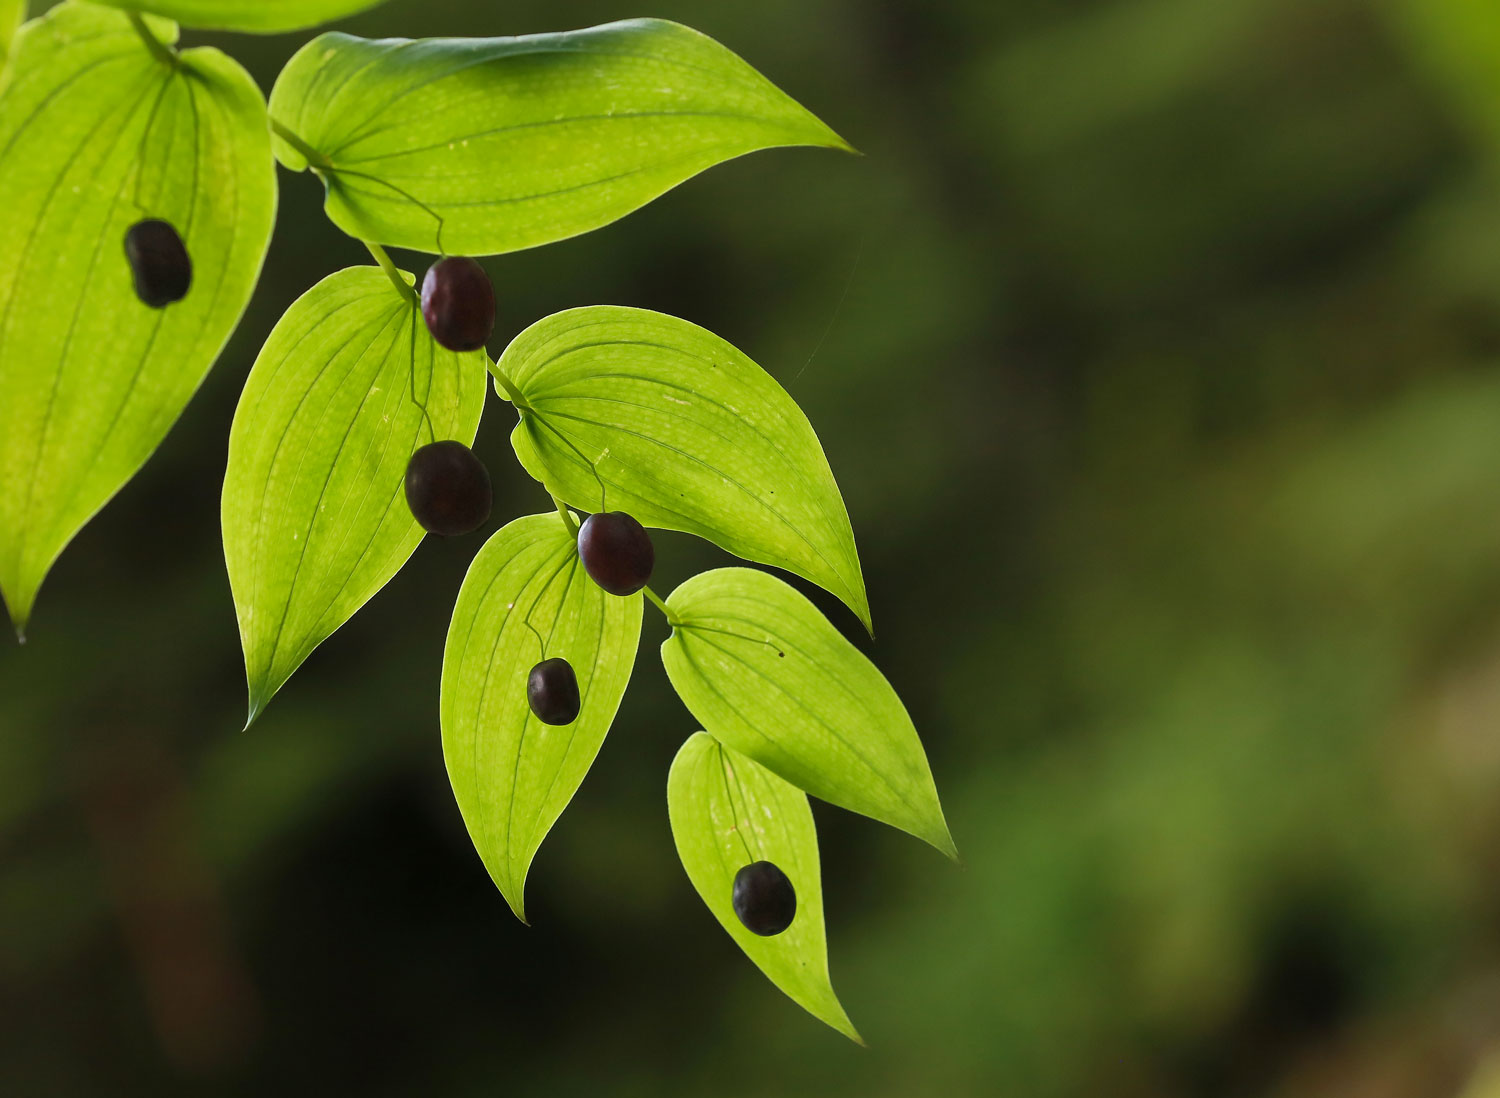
column 617, row 552
column 764, row 899
column 448, row 488
column 552, row 691
column 458, row 303
column 159, row 261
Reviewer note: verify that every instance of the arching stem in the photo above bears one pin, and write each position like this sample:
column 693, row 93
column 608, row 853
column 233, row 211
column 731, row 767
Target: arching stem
column 660, row 605
column 316, row 160
column 159, row 49
column 403, row 287
column 512, row 394
column 567, row 516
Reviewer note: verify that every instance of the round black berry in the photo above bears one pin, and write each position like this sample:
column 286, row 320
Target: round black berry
column 159, row 261
column 458, row 303
column 552, row 691
column 617, row 552
column 764, row 898
column 448, row 488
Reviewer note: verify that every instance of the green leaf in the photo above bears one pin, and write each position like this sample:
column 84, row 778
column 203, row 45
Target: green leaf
column 513, row 775
column 727, row 811
column 12, row 15
column 314, row 508
column 507, row 143
column 768, row 675
column 684, row 432
column 253, row 16
column 96, row 134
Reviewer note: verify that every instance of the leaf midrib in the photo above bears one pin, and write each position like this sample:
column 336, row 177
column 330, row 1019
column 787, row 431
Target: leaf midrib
column 758, row 84
column 750, row 725
column 130, row 108
column 724, row 476
column 296, row 477
column 544, row 123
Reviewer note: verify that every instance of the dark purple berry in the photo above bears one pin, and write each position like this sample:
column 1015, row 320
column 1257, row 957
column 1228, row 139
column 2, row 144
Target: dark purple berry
column 448, row 488
column 616, row 551
column 458, row 303
column 764, row 899
column 552, row 691
column 159, row 261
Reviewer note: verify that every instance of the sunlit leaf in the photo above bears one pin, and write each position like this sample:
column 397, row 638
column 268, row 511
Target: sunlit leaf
column 254, row 16
column 728, row 811
column 526, row 598
column 684, row 432
column 767, row 674
column 96, row 134
column 314, row 511
column 506, row 143
column 12, row 14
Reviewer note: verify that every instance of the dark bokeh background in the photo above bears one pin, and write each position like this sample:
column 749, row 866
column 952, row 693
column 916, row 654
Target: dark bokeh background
column 1156, row 347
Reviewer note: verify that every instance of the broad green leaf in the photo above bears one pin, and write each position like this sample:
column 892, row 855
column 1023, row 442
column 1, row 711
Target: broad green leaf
column 314, row 507
column 768, row 675
column 253, row 16
column 641, row 412
column 96, row 134
column 507, row 143
column 527, row 598
column 728, row 811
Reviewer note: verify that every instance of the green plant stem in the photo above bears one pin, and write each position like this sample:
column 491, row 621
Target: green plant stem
column 403, row 287
column 567, row 516
column 660, row 605
column 315, row 160
column 512, row 394
column 318, row 162
column 159, row 49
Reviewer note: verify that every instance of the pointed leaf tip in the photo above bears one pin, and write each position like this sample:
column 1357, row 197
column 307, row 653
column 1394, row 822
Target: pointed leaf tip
column 526, row 598
column 526, row 140
column 19, row 618
column 314, row 515
column 769, row 676
column 90, row 120
column 726, row 811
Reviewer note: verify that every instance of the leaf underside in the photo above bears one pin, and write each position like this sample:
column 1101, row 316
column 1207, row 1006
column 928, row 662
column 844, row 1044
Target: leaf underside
column 645, row 413
column 95, row 134
column 480, row 146
column 727, row 811
column 252, row 16
column 766, row 674
column 314, row 509
column 527, row 598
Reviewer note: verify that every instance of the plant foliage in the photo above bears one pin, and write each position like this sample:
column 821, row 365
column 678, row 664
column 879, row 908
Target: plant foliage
column 489, row 145
column 314, row 520
column 759, row 666
column 526, row 598
column 252, row 16
column 641, row 412
column 96, row 133
column 727, row 811
column 465, row 147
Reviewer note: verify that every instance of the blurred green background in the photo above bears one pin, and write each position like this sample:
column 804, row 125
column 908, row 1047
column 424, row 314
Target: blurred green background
column 1156, row 347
